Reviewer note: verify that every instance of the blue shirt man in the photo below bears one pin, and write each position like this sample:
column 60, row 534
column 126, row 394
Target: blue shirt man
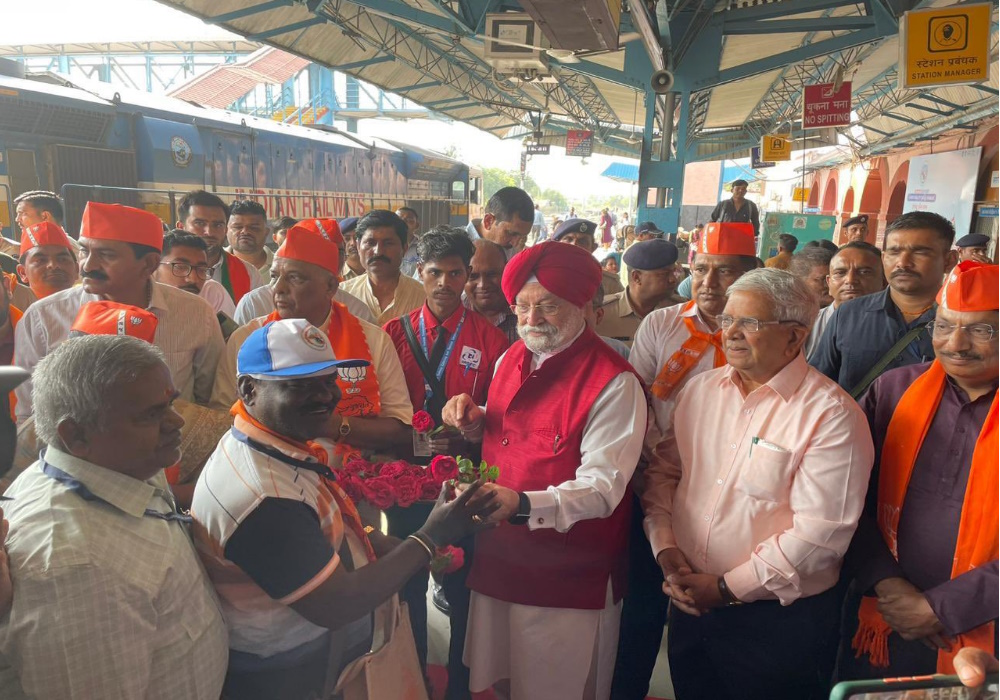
column 862, row 331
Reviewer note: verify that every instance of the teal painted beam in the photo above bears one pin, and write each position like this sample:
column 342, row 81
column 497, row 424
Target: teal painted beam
column 412, row 16
column 785, row 26
column 418, row 86
column 786, row 8
column 385, row 58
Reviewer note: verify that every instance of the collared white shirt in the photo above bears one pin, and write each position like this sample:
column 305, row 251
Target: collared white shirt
column 660, row 335
column 409, row 296
column 260, row 302
column 765, row 488
column 109, row 602
column 187, row 332
column 218, row 298
column 610, row 449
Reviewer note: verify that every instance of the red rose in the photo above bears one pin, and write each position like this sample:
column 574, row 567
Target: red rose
column 391, row 470
column 357, row 466
column 407, row 490
column 448, row 560
column 351, row 486
column 379, row 493
column 444, row 467
column 422, row 422
column 429, row 489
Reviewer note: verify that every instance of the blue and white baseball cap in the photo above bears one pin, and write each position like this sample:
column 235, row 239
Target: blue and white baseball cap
column 289, row 349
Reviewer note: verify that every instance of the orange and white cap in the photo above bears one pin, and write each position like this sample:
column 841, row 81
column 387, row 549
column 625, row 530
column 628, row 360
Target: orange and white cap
column 305, row 245
column 115, row 222
column 43, row 233
column 111, row 318
column 971, row 286
column 730, row 238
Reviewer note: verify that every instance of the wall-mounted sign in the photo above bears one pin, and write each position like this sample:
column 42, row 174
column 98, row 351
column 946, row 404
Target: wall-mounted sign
column 579, row 143
column 800, row 194
column 537, row 149
column 945, row 47
column 823, row 106
column 755, row 161
column 775, row 147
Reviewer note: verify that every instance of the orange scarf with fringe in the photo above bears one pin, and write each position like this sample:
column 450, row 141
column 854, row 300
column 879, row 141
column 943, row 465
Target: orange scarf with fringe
column 977, row 531
column 686, row 357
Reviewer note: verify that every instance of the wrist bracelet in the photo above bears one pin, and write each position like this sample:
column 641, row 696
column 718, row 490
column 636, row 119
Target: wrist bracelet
column 727, row 595
column 423, row 544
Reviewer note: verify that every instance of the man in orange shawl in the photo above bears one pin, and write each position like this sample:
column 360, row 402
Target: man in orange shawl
column 925, row 554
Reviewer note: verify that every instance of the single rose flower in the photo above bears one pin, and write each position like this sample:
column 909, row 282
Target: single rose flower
column 379, row 492
column 407, row 490
column 429, row 489
column 444, row 467
column 357, row 466
column 422, row 422
column 391, row 470
column 448, row 560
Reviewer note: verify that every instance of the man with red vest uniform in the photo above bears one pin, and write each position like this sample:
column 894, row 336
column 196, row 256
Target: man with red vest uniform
column 205, row 215
column 672, row 346
column 564, row 423
column 47, row 260
column 925, row 553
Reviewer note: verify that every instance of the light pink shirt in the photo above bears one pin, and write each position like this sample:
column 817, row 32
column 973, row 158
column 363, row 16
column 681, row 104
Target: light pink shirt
column 774, row 517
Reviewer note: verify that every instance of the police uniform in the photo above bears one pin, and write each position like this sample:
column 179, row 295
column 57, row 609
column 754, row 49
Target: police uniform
column 973, row 240
column 855, row 221
column 620, row 319
column 584, row 226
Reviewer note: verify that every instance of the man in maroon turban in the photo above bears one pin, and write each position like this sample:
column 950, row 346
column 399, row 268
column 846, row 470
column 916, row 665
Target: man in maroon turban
column 564, row 423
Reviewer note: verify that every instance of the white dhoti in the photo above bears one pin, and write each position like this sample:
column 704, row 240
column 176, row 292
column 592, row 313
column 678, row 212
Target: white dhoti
column 545, row 653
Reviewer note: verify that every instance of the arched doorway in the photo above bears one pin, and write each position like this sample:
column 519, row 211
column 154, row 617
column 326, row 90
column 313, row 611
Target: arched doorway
column 871, row 203
column 830, row 196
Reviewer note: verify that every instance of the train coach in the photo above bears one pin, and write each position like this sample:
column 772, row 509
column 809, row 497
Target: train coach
column 94, row 141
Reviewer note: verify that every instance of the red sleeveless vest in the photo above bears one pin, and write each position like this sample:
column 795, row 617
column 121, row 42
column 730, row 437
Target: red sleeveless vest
column 533, row 431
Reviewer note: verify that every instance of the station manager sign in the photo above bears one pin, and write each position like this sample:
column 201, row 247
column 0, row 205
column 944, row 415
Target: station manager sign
column 945, row 47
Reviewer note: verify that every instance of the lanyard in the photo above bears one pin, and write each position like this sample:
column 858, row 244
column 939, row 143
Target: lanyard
column 439, row 373
column 80, row 489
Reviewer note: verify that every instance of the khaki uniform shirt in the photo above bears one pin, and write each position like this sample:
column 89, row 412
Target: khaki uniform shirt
column 620, row 319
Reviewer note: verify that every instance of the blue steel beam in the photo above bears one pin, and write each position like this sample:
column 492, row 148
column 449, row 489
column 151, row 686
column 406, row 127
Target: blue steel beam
column 248, row 11
column 930, row 97
column 392, row 9
column 418, row 86
column 295, row 26
column 786, row 8
column 464, row 105
column 384, row 58
column 785, row 26
column 930, row 110
column 802, row 53
column 450, row 100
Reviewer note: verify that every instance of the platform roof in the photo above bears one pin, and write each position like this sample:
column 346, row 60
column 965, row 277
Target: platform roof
column 739, row 66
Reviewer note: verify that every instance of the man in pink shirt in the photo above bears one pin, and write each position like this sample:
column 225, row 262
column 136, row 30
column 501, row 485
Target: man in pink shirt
column 751, row 502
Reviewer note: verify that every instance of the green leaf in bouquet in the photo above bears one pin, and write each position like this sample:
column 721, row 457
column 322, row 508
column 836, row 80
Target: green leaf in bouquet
column 493, row 473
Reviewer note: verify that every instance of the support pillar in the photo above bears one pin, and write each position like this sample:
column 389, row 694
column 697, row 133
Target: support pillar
column 663, row 171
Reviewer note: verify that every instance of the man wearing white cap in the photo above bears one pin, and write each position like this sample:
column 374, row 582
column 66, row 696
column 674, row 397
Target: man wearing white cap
column 283, row 544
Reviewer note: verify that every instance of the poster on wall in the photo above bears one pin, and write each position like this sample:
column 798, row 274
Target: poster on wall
column 944, row 183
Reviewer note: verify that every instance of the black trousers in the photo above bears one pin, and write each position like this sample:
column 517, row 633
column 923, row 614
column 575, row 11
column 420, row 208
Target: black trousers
column 644, row 613
column 757, row 651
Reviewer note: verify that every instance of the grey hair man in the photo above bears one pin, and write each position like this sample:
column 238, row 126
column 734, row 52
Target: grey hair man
column 753, row 523
column 111, row 599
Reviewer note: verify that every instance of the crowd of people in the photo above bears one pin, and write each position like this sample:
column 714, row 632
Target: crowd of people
column 790, row 465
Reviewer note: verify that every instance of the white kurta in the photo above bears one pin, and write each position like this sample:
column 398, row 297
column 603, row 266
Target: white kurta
column 564, row 653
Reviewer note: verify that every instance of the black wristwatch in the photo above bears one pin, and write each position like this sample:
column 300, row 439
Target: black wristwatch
column 523, row 510
column 728, row 598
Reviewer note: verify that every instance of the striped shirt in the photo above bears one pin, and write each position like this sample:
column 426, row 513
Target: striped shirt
column 237, row 480
column 187, row 332
column 109, row 602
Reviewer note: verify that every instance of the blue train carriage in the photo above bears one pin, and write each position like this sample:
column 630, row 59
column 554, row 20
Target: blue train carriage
column 92, row 141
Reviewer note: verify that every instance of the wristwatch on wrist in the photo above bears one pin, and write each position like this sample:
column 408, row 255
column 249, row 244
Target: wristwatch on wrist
column 727, row 595
column 345, row 429
column 523, row 510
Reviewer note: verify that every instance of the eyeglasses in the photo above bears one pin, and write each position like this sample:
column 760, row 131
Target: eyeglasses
column 525, row 309
column 179, row 269
column 979, row 331
column 749, row 325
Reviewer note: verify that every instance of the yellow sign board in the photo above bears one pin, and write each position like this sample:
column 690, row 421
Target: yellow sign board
column 945, row 47
column 774, row 147
column 800, row 194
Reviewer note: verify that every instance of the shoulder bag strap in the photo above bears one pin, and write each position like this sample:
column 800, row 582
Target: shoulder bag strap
column 437, row 388
column 888, row 357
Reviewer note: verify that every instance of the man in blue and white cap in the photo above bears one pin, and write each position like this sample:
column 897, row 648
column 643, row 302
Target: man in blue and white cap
column 283, row 545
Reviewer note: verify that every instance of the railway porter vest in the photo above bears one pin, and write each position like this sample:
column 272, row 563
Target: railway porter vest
column 534, row 426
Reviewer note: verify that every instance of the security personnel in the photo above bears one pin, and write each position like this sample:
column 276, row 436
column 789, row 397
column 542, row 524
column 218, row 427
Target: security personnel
column 973, row 247
column 652, row 283
column 580, row 232
column 855, row 229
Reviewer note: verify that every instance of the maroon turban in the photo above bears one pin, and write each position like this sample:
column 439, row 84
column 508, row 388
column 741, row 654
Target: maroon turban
column 569, row 272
